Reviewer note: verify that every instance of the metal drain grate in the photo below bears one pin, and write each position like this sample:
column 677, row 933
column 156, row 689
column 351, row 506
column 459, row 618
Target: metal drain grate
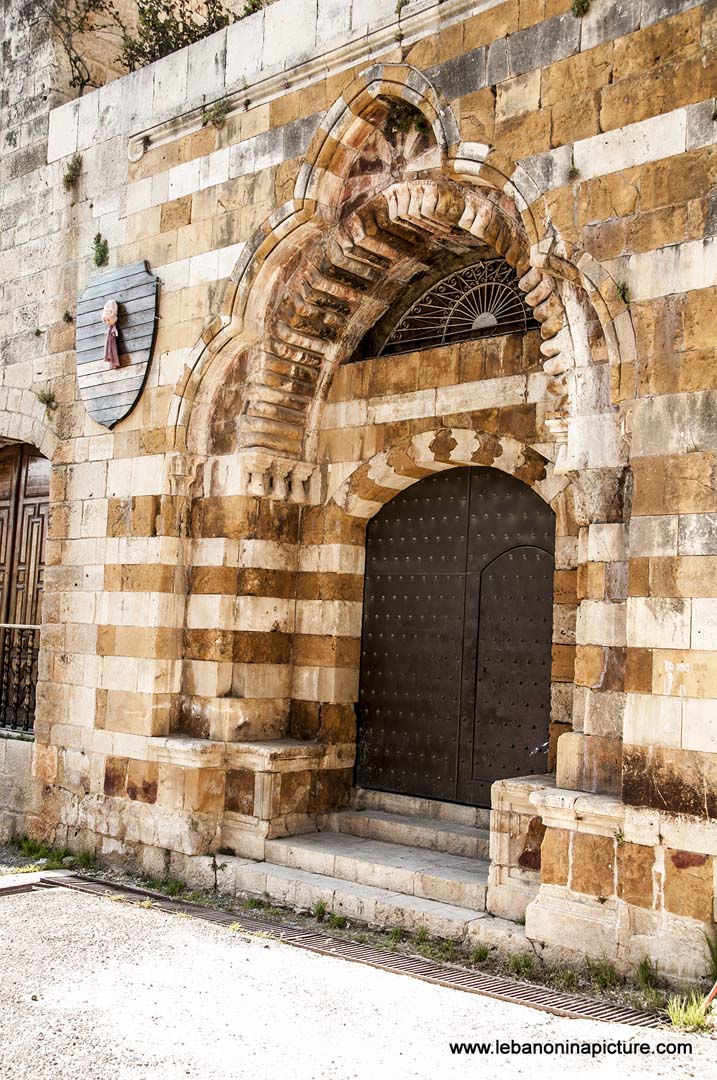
column 538, row 997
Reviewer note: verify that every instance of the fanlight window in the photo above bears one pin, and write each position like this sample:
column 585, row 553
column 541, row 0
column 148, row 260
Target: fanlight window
column 481, row 300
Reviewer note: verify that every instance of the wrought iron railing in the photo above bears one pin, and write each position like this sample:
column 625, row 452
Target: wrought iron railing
column 19, row 647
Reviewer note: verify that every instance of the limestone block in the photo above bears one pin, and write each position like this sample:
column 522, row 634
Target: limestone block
column 636, row 881
column 606, row 543
column 704, row 624
column 689, row 884
column 555, row 857
column 659, row 622
column 607, row 20
column 699, row 731
column 647, row 140
column 207, row 67
column 589, row 928
column 657, row 536
column 678, row 948
column 592, row 868
column 569, row 773
column 281, row 49
column 333, row 21
column 651, row 720
column 601, row 622
column 171, row 94
column 602, row 713
column 543, row 44
column 697, row 534
column 561, row 703
column 244, row 40
column 63, row 130
column 462, row 75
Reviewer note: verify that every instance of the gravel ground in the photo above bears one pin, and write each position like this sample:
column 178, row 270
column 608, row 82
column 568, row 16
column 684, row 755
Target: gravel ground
column 92, row 988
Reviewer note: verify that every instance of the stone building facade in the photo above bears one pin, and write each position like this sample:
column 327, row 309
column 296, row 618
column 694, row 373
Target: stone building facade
column 202, row 616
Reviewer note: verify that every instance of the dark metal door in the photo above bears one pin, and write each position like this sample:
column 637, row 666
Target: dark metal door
column 455, row 668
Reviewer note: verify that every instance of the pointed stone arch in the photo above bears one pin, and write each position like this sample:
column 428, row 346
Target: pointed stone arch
column 315, row 276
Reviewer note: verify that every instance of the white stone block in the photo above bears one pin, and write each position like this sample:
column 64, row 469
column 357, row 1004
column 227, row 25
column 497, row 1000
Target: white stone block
column 174, row 276
column 697, row 534
column 245, row 39
column 658, row 622
column 699, row 725
column 601, row 622
column 227, row 259
column 651, row 720
column 170, row 85
column 214, row 168
column 289, row 33
column 606, row 543
column 138, row 100
column 184, row 179
column 653, row 536
column 675, row 269
column 203, row 267
column 62, row 137
column 109, row 110
column 366, row 15
column 207, row 67
column 704, row 624
column 139, row 196
column 333, row 20
column 647, row 140
column 148, row 475
column 264, row 614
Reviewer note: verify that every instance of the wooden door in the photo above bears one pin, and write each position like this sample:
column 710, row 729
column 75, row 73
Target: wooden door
column 24, row 502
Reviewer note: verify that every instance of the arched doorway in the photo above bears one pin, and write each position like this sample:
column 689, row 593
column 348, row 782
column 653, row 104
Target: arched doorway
column 456, row 643
column 24, row 501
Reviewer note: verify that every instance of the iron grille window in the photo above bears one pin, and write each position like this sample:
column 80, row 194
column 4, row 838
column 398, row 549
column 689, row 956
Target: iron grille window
column 481, row 300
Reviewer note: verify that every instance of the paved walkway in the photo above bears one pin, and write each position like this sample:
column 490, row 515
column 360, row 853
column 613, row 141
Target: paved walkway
column 100, row 990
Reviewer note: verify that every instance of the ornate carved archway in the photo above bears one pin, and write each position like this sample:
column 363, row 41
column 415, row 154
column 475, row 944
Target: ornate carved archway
column 375, row 203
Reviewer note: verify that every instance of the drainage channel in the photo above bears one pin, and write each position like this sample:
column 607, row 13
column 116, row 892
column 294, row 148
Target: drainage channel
column 538, row 997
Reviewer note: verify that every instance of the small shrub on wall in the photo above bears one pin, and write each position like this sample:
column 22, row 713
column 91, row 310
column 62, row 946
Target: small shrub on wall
column 163, row 26
column 167, row 25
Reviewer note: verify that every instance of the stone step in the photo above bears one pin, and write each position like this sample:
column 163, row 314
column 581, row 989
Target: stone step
column 413, row 806
column 420, row 832
column 302, row 890
column 412, row 871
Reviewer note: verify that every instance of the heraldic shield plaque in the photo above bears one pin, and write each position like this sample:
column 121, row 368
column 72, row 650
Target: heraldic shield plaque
column 116, row 328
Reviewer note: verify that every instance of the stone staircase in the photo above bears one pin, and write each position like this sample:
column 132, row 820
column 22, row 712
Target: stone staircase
column 389, row 860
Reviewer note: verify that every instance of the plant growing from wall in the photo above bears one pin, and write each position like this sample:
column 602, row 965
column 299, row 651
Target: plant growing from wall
column 217, row 113
column 48, row 399
column 623, row 292
column 580, row 8
column 164, row 26
column 72, row 173
column 402, row 117
column 100, row 250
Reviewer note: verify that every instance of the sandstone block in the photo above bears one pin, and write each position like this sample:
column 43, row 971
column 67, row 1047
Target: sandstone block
column 593, row 865
column 689, row 884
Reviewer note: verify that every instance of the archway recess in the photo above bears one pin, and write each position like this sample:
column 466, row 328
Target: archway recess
column 378, row 198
